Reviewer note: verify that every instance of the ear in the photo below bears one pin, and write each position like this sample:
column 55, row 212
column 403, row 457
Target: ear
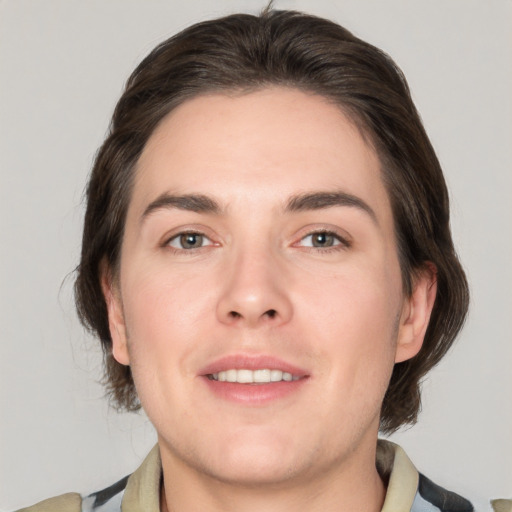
column 416, row 313
column 116, row 321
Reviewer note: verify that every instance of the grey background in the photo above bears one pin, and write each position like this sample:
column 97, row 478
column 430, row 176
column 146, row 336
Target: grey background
column 62, row 67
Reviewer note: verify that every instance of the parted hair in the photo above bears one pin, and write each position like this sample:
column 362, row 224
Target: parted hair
column 243, row 53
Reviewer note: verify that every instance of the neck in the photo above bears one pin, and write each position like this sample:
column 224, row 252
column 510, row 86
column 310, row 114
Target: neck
column 353, row 487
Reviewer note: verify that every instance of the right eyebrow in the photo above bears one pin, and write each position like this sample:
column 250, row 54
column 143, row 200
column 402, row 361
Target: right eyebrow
column 191, row 202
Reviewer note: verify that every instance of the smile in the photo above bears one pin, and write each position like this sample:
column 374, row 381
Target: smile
column 253, row 379
column 259, row 376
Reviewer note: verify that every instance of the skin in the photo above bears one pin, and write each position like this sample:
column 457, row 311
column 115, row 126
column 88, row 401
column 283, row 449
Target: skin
column 256, row 284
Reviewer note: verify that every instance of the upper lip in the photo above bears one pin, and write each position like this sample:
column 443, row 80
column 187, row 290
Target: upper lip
column 251, row 362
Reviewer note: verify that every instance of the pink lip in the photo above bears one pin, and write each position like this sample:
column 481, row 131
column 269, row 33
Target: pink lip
column 251, row 362
column 252, row 394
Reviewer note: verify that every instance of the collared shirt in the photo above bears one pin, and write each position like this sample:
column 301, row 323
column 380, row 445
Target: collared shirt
column 407, row 490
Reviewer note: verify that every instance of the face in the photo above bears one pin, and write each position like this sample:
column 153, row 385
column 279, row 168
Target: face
column 259, row 299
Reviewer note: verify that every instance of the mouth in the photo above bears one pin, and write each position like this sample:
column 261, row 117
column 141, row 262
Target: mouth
column 253, row 380
column 259, row 376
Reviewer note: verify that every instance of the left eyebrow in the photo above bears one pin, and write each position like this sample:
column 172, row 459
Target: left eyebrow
column 321, row 200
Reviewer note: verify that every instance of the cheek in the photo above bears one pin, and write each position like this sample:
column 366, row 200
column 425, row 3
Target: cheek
column 354, row 318
column 363, row 298
column 161, row 315
column 157, row 301
column 165, row 316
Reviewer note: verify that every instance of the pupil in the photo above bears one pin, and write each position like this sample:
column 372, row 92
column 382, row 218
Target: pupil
column 191, row 240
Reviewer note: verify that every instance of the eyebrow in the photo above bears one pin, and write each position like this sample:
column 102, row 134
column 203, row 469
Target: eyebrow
column 299, row 203
column 321, row 200
column 189, row 202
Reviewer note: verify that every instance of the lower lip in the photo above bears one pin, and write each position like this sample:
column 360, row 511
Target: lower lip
column 254, row 394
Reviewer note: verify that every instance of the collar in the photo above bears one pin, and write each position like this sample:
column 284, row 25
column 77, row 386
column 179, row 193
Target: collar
column 402, row 477
column 143, row 487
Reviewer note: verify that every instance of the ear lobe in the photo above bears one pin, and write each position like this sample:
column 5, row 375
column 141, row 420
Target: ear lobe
column 116, row 322
column 416, row 314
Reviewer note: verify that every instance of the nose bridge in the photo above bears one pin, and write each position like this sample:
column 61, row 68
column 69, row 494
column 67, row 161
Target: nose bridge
column 253, row 287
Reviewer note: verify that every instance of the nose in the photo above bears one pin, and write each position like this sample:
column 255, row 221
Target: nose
column 255, row 292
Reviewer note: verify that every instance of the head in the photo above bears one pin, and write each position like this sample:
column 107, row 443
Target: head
column 240, row 55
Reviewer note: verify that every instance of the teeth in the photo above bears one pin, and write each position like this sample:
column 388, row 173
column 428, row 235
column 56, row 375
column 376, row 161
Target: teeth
column 261, row 375
column 253, row 377
column 245, row 376
column 276, row 375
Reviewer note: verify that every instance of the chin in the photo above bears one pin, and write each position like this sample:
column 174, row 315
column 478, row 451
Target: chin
column 261, row 469
column 254, row 460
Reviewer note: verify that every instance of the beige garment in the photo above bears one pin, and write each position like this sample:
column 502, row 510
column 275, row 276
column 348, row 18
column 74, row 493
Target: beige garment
column 502, row 505
column 71, row 502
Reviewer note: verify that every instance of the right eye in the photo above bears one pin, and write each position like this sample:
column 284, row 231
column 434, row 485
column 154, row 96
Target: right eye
column 188, row 241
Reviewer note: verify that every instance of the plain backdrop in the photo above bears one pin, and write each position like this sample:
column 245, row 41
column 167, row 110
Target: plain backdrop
column 63, row 64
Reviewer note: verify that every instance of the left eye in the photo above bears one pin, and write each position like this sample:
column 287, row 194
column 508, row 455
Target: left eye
column 321, row 239
column 189, row 241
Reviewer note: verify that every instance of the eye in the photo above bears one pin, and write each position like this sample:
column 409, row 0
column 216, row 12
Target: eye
column 187, row 241
column 323, row 239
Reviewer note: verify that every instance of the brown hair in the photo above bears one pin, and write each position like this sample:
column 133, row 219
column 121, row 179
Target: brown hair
column 284, row 48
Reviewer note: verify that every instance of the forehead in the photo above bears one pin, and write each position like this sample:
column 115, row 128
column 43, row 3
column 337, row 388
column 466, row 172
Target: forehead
column 264, row 145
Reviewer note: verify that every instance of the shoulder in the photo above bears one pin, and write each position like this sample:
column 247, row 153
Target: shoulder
column 138, row 491
column 70, row 502
column 106, row 500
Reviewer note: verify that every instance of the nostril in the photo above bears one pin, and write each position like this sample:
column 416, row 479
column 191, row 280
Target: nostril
column 270, row 313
